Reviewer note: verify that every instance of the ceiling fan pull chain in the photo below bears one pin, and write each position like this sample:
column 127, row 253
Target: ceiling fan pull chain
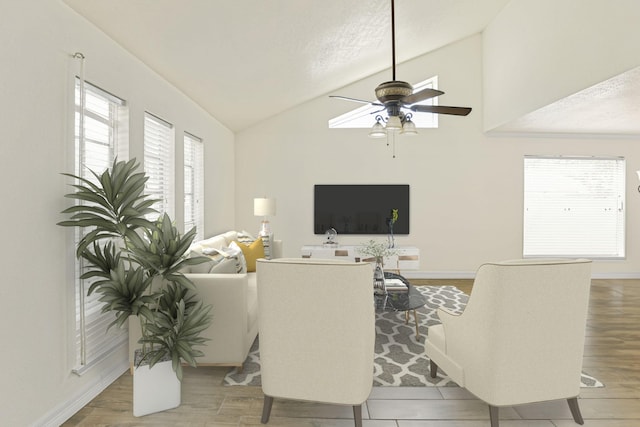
column 393, row 144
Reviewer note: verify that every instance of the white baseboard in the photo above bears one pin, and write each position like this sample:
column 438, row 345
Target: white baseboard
column 472, row 274
column 67, row 409
column 615, row 275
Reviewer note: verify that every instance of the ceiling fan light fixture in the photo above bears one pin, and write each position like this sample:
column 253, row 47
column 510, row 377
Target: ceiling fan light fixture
column 408, row 128
column 394, row 123
column 378, row 130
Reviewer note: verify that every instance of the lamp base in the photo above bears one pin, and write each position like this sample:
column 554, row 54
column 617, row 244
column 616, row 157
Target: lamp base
column 265, row 228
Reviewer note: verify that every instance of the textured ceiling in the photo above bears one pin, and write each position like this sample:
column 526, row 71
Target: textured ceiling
column 244, row 61
column 609, row 108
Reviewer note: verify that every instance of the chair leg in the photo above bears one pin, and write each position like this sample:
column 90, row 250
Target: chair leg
column 575, row 410
column 494, row 415
column 357, row 415
column 266, row 409
column 433, row 368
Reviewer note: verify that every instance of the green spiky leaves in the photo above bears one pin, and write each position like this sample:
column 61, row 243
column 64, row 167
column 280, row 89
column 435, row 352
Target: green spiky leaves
column 176, row 332
column 161, row 249
column 115, row 207
column 136, row 264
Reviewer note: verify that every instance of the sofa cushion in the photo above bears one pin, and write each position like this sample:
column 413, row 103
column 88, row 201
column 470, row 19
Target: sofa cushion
column 229, row 237
column 245, row 237
column 234, row 251
column 251, row 253
column 218, row 262
column 215, row 242
column 226, row 266
column 203, row 267
column 267, row 242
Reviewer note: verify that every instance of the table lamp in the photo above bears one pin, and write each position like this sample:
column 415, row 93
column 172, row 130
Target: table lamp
column 264, row 207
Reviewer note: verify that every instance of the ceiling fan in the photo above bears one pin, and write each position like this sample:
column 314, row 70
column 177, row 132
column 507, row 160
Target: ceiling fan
column 396, row 96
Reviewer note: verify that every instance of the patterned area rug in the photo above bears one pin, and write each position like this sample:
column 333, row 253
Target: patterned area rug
column 399, row 357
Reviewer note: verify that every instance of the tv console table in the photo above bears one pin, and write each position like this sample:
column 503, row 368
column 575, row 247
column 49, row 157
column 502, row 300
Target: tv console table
column 406, row 258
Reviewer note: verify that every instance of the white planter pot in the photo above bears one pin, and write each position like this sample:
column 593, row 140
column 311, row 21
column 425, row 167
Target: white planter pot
column 156, row 389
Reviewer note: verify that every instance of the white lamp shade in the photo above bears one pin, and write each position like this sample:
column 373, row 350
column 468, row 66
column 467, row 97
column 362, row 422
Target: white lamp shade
column 264, row 207
column 377, row 131
column 409, row 128
column 394, row 123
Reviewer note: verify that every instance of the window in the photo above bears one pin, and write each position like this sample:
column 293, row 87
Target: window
column 100, row 135
column 193, row 185
column 574, row 206
column 159, row 163
column 364, row 117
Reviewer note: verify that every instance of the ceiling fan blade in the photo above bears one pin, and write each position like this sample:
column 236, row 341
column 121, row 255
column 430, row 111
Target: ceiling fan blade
column 356, row 100
column 441, row 109
column 421, row 96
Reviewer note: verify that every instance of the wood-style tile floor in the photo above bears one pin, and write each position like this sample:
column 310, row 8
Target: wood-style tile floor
column 612, row 354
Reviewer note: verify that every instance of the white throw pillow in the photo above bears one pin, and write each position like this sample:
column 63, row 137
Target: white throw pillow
column 234, row 251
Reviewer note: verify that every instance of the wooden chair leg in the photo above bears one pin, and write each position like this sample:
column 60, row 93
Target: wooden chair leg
column 266, row 409
column 575, row 410
column 494, row 415
column 433, row 369
column 357, row 415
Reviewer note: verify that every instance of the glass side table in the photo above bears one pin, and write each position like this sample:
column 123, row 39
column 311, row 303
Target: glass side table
column 401, row 300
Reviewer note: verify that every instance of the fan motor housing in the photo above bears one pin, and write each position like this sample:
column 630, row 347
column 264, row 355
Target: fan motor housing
column 393, row 91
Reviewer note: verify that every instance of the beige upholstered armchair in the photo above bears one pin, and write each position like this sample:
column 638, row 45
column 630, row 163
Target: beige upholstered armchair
column 520, row 338
column 316, row 331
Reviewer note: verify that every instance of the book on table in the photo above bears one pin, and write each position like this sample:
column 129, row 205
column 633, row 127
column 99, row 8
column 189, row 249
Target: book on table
column 395, row 285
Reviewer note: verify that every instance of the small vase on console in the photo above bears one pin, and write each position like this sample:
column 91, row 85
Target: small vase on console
column 392, row 240
column 390, row 221
column 379, row 287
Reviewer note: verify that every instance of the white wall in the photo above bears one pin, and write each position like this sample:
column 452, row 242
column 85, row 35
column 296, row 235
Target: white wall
column 36, row 291
column 466, row 188
column 538, row 52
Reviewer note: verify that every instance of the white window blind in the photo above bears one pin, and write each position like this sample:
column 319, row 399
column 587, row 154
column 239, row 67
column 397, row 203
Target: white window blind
column 194, row 185
column 104, row 116
column 574, row 206
column 159, row 164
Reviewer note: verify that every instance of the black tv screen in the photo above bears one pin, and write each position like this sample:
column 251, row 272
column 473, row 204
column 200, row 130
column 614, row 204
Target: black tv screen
column 360, row 209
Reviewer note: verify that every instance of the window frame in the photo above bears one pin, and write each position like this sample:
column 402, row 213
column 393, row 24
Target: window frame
column 159, row 164
column 105, row 130
column 194, row 184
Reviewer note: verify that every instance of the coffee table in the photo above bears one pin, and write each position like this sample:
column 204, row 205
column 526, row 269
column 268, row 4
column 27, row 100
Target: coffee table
column 406, row 301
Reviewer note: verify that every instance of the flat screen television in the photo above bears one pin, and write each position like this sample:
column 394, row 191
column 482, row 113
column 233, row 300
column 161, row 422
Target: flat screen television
column 360, row 209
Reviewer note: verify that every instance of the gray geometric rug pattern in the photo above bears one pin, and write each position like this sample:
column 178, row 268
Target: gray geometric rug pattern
column 399, row 357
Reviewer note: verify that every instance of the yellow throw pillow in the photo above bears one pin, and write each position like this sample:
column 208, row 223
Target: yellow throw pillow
column 251, row 253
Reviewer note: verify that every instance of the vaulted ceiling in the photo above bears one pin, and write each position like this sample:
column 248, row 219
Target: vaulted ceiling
column 244, row 61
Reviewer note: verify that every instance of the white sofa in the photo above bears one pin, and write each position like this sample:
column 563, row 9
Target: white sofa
column 234, row 301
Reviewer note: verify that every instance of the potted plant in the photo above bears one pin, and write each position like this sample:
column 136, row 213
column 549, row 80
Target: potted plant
column 135, row 264
column 376, row 252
